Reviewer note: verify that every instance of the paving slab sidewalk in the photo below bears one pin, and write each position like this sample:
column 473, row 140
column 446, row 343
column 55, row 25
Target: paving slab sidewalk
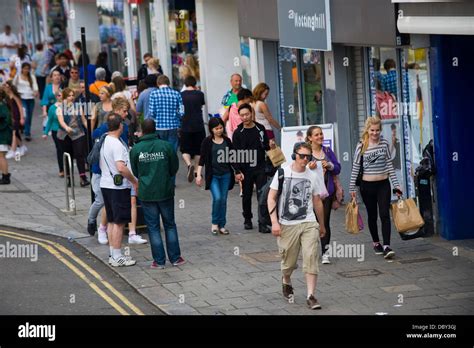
column 239, row 274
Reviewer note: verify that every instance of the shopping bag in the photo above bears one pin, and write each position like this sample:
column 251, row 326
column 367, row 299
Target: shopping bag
column 352, row 220
column 276, row 156
column 406, row 215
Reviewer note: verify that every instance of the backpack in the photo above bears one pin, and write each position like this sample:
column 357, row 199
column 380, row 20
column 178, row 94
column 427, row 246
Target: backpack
column 264, row 214
column 94, row 155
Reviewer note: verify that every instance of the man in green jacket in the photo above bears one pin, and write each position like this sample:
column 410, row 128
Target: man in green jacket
column 154, row 163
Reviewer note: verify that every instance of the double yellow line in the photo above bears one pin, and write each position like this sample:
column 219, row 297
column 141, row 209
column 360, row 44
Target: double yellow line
column 56, row 249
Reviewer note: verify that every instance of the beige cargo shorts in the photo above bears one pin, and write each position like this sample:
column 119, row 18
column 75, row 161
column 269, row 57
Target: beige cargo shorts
column 304, row 236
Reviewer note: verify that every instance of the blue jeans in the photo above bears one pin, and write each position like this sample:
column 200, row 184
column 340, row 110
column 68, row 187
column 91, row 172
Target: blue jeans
column 152, row 212
column 29, row 105
column 98, row 203
column 219, row 190
column 169, row 135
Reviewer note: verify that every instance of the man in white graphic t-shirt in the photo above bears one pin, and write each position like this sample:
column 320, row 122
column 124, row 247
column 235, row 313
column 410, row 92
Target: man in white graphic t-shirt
column 295, row 223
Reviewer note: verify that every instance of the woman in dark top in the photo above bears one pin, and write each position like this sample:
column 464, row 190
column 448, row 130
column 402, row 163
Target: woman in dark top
column 219, row 172
column 192, row 129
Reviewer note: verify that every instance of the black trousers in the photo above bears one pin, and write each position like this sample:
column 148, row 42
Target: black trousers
column 41, row 80
column 77, row 149
column 59, row 150
column 251, row 177
column 377, row 194
column 327, row 206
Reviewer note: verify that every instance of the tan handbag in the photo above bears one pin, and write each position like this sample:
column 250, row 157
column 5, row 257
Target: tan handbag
column 352, row 213
column 406, row 215
column 276, row 156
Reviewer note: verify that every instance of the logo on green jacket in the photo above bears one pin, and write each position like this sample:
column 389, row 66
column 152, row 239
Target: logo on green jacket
column 151, row 156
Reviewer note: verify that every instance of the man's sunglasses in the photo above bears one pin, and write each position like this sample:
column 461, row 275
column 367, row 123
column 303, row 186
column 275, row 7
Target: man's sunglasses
column 303, row 156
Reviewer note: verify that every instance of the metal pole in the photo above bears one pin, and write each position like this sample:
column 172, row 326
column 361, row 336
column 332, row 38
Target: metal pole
column 70, row 203
column 87, row 109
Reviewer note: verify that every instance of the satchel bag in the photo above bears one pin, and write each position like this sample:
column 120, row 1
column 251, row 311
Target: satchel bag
column 276, row 156
column 406, row 215
column 352, row 217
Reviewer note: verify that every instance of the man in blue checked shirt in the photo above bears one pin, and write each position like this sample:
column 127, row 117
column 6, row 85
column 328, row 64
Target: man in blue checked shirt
column 389, row 82
column 167, row 109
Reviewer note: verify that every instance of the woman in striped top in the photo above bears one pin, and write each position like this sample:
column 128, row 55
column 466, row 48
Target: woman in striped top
column 375, row 186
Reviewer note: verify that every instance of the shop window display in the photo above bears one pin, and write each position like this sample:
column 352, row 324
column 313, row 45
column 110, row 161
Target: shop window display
column 289, row 86
column 183, row 42
column 384, row 102
column 312, row 87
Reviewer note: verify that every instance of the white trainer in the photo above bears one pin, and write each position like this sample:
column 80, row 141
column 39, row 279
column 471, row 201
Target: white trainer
column 122, row 261
column 136, row 239
column 10, row 154
column 325, row 260
column 23, row 150
column 102, row 237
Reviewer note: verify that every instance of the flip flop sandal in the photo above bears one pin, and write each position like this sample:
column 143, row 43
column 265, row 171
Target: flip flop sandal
column 215, row 232
column 224, row 231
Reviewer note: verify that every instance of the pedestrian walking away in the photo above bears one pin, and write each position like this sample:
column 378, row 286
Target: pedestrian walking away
column 250, row 137
column 219, row 173
column 115, row 183
column 371, row 168
column 294, row 222
column 326, row 165
column 155, row 163
column 192, row 129
column 143, row 103
column 167, row 110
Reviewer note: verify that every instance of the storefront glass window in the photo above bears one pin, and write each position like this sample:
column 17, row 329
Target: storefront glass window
column 136, row 34
column 384, row 101
column 245, row 62
column 418, row 93
column 289, row 94
column 183, row 41
column 312, row 87
column 112, row 36
column 57, row 23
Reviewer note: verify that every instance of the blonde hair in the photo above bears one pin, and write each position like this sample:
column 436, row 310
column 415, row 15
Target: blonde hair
column 371, row 121
column 185, row 71
column 119, row 103
column 191, row 62
column 109, row 90
column 154, row 63
column 258, row 91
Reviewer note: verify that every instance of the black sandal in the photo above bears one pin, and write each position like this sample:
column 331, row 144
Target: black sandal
column 224, row 231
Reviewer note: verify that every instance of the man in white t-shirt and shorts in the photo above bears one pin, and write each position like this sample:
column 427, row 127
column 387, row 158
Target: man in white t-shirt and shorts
column 116, row 183
column 295, row 225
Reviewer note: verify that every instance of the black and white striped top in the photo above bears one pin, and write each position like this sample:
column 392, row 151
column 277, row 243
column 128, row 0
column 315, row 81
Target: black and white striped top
column 377, row 161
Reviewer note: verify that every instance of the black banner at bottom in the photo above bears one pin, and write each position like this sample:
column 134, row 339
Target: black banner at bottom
column 138, row 331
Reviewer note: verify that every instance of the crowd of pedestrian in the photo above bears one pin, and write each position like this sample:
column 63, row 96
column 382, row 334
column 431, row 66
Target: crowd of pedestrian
column 134, row 160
